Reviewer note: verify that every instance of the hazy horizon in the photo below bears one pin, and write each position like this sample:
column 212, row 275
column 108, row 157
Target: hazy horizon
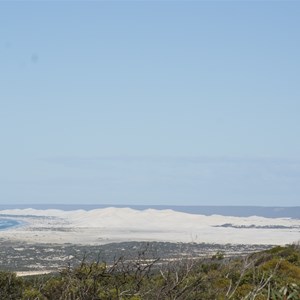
column 207, row 210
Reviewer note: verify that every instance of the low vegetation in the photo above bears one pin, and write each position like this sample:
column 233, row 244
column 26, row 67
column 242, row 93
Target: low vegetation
column 272, row 274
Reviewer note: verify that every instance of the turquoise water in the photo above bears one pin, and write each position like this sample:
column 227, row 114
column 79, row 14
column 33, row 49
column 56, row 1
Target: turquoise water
column 7, row 223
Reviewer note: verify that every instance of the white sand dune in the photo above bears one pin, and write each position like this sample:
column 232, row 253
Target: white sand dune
column 107, row 225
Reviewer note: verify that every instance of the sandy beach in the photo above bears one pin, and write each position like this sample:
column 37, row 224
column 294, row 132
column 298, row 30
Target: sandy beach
column 101, row 226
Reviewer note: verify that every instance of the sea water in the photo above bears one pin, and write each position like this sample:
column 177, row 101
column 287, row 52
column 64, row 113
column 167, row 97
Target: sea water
column 7, row 223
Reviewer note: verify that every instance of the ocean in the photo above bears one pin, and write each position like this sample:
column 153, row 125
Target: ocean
column 7, row 223
column 236, row 211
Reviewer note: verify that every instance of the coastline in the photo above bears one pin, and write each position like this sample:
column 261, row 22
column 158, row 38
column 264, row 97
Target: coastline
column 13, row 223
column 114, row 225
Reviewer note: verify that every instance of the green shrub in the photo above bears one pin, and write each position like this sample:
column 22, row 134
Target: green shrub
column 11, row 287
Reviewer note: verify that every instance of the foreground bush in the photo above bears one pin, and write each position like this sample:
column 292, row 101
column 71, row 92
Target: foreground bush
column 272, row 274
column 11, row 287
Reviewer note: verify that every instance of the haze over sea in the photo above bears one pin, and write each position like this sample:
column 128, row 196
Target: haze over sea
column 236, row 211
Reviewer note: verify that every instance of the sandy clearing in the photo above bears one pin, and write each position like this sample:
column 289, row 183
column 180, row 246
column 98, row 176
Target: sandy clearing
column 31, row 273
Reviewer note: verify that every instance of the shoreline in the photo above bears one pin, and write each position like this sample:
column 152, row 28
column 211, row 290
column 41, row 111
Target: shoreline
column 16, row 223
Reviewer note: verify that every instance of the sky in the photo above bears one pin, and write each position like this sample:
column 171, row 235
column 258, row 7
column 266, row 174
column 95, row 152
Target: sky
column 150, row 102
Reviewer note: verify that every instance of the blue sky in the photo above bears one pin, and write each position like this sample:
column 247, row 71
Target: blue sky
column 150, row 102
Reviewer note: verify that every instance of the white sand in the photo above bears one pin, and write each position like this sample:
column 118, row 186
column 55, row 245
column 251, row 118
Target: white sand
column 30, row 273
column 108, row 225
